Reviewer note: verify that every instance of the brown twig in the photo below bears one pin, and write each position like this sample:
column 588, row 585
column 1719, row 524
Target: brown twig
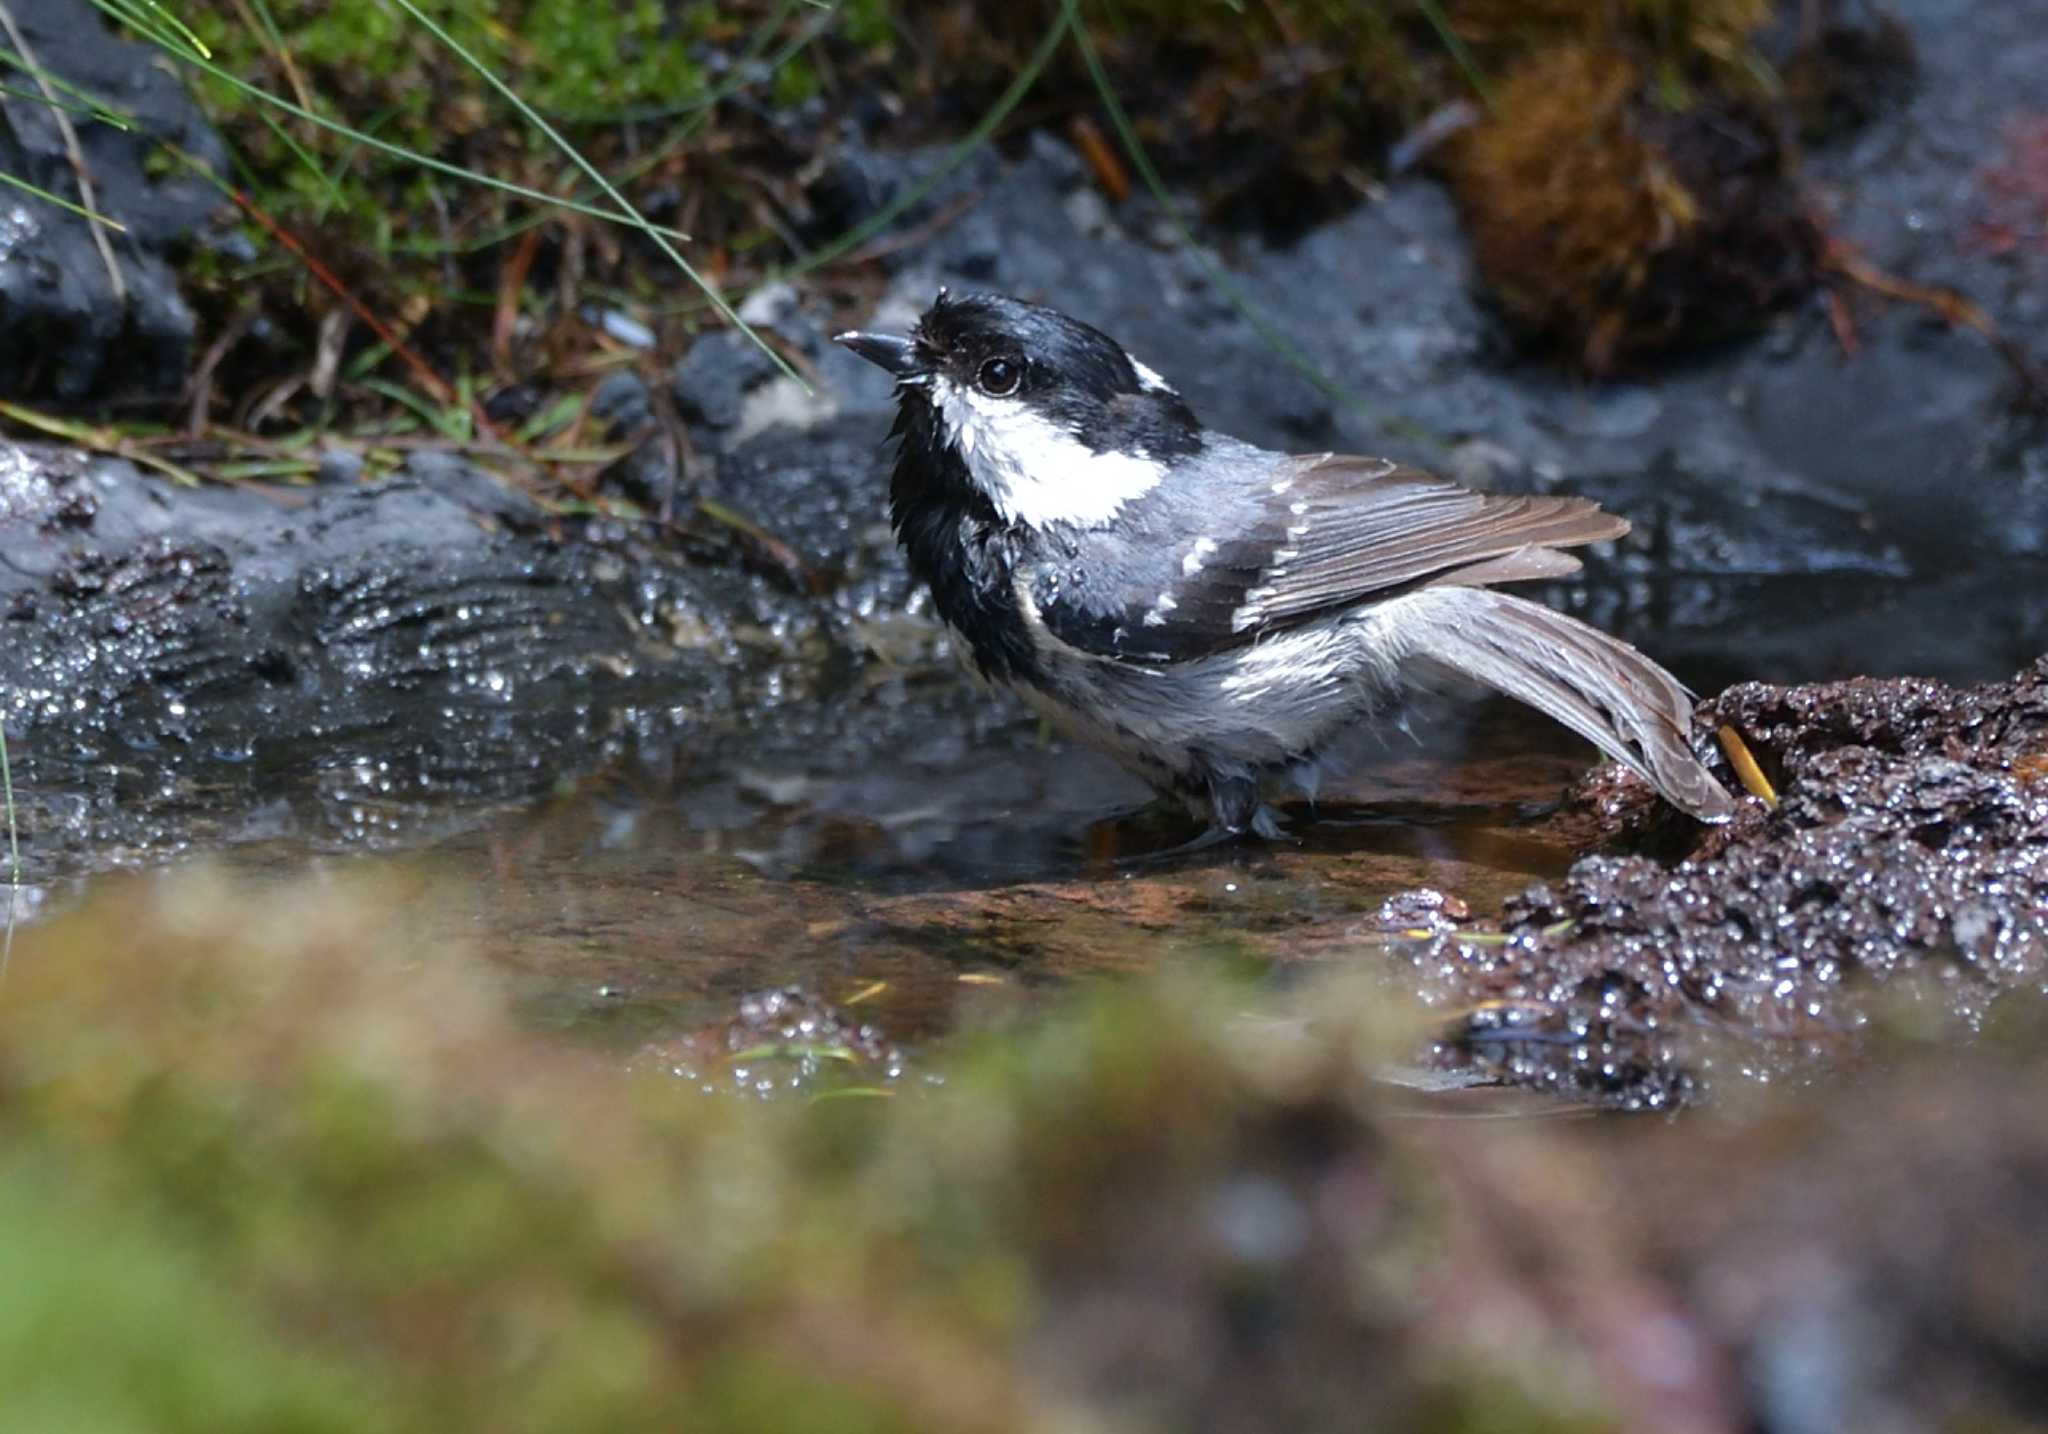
column 201, row 387
column 756, row 542
column 283, row 56
column 1843, row 323
column 1110, row 175
column 1951, row 307
column 677, row 435
column 512, row 276
column 909, row 238
column 437, row 388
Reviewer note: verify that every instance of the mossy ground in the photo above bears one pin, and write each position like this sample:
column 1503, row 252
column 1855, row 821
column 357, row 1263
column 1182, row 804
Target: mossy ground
column 671, row 101
column 712, row 116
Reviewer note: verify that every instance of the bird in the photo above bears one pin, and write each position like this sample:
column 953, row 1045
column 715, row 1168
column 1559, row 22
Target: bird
column 1215, row 615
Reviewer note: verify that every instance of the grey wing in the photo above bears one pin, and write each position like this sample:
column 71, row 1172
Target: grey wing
column 1300, row 537
column 1354, row 527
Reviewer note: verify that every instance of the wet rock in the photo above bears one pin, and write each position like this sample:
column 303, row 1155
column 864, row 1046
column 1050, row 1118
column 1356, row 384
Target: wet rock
column 621, row 402
column 71, row 326
column 338, row 466
column 823, row 489
column 1909, row 851
column 359, row 650
column 728, row 390
column 712, row 381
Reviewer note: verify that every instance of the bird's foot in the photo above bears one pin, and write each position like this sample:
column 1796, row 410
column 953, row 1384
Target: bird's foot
column 1262, row 824
column 1211, row 839
column 1267, row 826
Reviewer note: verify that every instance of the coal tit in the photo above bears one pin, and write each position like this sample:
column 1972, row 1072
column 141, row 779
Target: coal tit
column 1217, row 615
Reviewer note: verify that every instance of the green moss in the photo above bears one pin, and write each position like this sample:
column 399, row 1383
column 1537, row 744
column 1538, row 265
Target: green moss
column 276, row 1165
column 619, row 78
column 111, row 1323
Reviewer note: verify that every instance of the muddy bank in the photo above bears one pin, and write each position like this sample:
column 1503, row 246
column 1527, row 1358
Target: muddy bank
column 1906, row 862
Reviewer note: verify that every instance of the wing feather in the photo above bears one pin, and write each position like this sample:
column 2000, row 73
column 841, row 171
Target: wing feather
column 1357, row 526
column 1317, row 534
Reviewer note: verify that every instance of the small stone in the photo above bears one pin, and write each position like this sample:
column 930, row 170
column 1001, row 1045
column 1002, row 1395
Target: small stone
column 713, row 379
column 621, row 402
column 338, row 466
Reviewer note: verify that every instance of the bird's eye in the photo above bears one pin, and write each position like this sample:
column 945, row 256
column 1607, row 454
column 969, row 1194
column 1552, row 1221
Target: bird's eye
column 1000, row 377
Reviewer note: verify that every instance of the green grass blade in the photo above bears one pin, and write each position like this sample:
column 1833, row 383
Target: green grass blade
column 13, row 856
column 13, row 861
column 98, row 108
column 449, row 422
column 13, row 835
column 328, row 187
column 62, row 203
column 92, row 112
column 1460, row 54
column 168, row 43
column 591, row 171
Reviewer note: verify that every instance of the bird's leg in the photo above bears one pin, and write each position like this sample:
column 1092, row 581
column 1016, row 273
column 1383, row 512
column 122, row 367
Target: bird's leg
column 1231, row 804
column 1235, row 810
column 1209, row 840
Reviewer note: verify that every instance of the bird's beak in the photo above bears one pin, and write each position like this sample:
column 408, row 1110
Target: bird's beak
column 896, row 355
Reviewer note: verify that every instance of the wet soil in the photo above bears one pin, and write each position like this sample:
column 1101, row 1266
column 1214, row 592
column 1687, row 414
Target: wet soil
column 1906, row 859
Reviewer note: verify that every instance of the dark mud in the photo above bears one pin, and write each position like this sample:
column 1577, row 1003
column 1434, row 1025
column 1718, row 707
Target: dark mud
column 1906, row 860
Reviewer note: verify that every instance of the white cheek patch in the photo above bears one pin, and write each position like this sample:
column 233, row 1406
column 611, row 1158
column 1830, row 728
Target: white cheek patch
column 1034, row 471
column 1149, row 379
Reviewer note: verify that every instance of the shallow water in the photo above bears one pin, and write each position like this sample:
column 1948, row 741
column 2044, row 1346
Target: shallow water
column 906, row 841
column 641, row 902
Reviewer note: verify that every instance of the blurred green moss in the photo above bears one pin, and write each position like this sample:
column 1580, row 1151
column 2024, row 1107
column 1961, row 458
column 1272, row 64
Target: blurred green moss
column 112, row 1323
column 273, row 1165
column 276, row 1161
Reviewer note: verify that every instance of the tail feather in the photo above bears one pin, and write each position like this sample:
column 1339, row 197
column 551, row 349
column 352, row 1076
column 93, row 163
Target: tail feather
column 1600, row 687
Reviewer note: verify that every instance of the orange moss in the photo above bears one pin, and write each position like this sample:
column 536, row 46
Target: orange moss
column 1613, row 226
